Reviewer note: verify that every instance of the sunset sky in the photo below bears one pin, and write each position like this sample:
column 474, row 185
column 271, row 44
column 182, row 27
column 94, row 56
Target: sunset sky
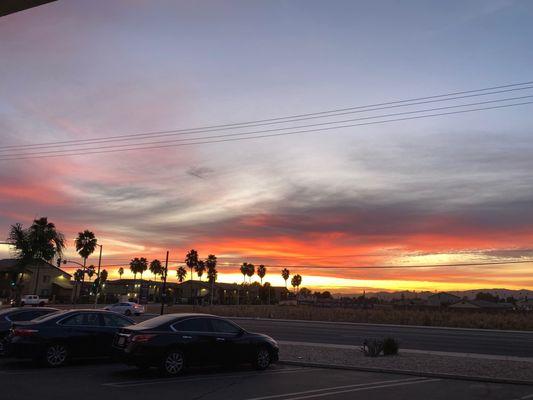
column 443, row 190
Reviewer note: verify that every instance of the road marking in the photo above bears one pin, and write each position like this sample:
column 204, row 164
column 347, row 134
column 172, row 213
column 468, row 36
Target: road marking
column 202, row 378
column 362, row 389
column 353, row 387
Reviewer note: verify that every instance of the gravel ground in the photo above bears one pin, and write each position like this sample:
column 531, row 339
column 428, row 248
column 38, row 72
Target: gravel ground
column 472, row 367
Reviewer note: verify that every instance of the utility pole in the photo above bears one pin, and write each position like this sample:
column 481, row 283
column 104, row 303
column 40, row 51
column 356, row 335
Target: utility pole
column 98, row 277
column 164, row 290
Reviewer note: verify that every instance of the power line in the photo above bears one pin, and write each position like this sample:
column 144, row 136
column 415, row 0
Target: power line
column 62, row 153
column 279, row 120
column 127, row 146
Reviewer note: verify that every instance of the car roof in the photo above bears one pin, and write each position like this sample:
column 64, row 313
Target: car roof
column 161, row 320
column 17, row 309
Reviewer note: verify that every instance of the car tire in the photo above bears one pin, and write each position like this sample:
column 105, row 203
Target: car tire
column 22, row 304
column 55, row 355
column 127, row 313
column 262, row 359
column 173, row 363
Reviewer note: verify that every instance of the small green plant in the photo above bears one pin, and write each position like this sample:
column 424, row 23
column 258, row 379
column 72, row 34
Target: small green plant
column 372, row 347
column 390, row 346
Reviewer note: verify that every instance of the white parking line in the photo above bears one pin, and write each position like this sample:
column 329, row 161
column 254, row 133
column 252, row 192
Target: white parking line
column 346, row 389
column 202, row 378
column 529, row 396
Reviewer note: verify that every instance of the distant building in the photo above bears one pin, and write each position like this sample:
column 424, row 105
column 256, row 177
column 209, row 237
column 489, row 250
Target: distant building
column 481, row 305
column 39, row 277
column 442, row 299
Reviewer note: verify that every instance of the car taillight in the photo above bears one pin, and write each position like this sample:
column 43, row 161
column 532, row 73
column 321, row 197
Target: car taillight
column 141, row 338
column 24, row 332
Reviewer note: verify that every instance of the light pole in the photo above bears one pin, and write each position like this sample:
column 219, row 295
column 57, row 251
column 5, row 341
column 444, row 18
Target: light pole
column 76, row 286
column 98, row 276
column 164, row 294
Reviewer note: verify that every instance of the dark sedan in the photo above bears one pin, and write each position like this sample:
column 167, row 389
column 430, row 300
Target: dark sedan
column 170, row 342
column 9, row 316
column 55, row 338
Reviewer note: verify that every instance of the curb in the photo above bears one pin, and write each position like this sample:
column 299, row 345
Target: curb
column 408, row 372
column 386, row 325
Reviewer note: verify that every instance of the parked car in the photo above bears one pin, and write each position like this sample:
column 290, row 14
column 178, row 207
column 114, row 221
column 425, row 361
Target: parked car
column 171, row 342
column 58, row 337
column 127, row 308
column 10, row 315
column 31, row 300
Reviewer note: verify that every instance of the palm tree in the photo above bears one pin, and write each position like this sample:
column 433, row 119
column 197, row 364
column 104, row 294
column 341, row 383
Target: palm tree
column 191, row 260
column 181, row 273
column 120, row 272
column 85, row 245
column 261, row 272
column 250, row 271
column 212, row 273
column 40, row 242
column 90, row 271
column 296, row 281
column 200, row 269
column 78, row 276
column 156, row 268
column 134, row 268
column 143, row 266
column 285, row 275
column 244, row 271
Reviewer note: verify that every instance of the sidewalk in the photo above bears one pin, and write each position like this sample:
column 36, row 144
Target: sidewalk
column 413, row 362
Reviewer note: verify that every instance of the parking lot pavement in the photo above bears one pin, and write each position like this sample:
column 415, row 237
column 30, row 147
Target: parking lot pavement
column 101, row 380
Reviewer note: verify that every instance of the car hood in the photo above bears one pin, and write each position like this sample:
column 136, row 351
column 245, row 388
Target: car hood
column 262, row 336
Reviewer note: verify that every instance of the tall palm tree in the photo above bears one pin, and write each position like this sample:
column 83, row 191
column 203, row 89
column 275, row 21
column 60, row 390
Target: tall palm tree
column 250, row 271
column 285, row 275
column 181, row 273
column 212, row 273
column 85, row 245
column 244, row 271
column 191, row 260
column 120, row 272
column 78, row 276
column 200, row 269
column 90, row 272
column 134, row 268
column 41, row 242
column 261, row 272
column 143, row 266
column 156, row 268
column 296, row 281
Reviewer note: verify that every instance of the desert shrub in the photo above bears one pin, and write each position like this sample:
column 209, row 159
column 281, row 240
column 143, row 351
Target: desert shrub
column 390, row 346
column 372, row 347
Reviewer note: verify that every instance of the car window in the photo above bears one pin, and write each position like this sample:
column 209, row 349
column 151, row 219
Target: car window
column 221, row 326
column 82, row 319
column 193, row 325
column 26, row 315
column 115, row 321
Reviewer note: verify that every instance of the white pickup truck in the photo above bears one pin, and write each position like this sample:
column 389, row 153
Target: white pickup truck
column 32, row 300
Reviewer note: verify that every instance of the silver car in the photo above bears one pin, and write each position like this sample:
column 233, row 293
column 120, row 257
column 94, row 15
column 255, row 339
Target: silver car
column 126, row 308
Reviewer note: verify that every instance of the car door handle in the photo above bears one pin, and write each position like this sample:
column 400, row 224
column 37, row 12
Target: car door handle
column 219, row 339
column 187, row 337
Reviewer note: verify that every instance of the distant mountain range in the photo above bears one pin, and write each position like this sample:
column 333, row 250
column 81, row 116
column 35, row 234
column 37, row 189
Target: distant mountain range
column 471, row 294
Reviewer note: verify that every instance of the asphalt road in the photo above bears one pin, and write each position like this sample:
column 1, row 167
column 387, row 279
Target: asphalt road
column 503, row 343
column 103, row 381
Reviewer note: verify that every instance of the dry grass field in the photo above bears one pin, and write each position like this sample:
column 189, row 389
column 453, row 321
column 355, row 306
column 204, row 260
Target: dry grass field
column 449, row 318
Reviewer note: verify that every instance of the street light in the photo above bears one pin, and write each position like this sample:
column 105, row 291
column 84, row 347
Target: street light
column 98, row 275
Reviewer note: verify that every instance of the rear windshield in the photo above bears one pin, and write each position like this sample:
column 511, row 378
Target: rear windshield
column 48, row 316
column 154, row 322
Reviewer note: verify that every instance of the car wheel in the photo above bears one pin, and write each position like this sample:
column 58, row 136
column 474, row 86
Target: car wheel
column 127, row 313
column 22, row 304
column 173, row 363
column 262, row 358
column 56, row 355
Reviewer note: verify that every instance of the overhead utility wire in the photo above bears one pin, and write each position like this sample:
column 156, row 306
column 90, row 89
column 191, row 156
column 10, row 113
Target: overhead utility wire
column 63, row 153
column 127, row 146
column 278, row 120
